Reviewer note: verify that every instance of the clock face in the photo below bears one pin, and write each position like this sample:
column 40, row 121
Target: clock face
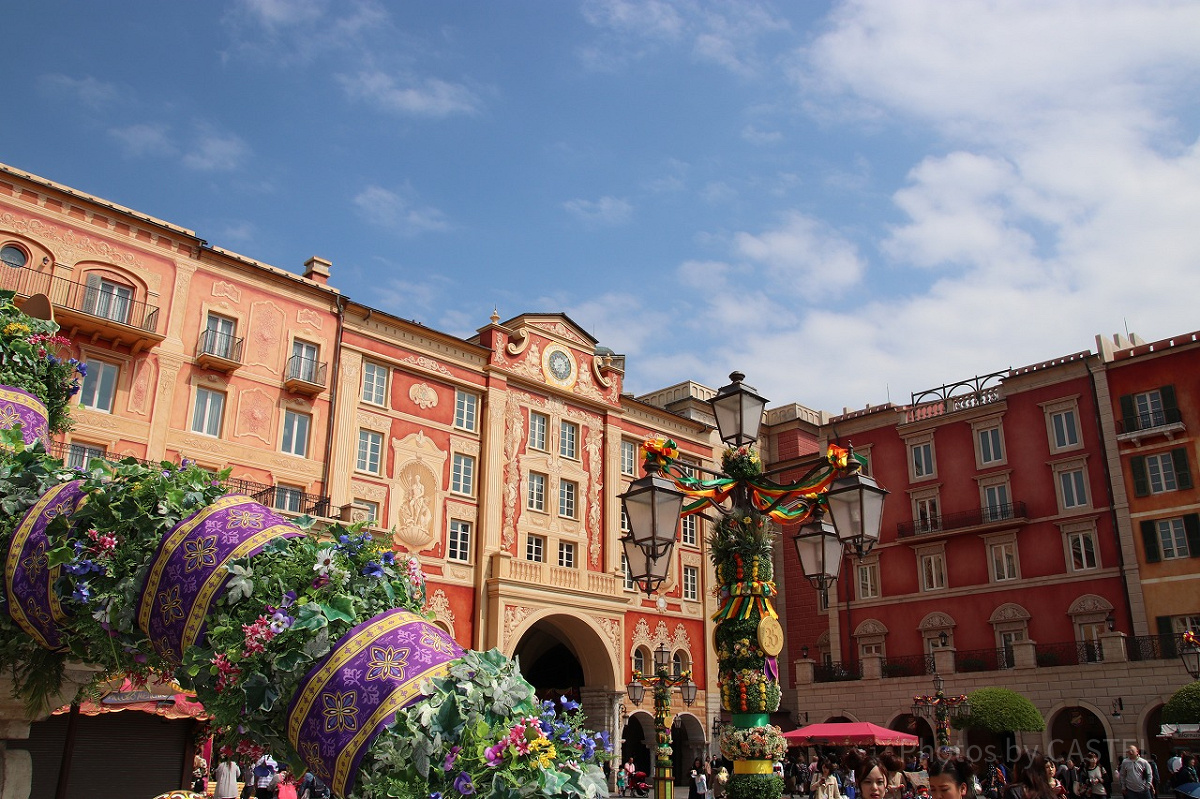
column 560, row 365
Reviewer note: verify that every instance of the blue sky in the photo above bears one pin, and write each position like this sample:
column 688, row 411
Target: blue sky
column 847, row 201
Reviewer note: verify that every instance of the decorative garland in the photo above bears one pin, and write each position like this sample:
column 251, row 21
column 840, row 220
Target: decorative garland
column 312, row 647
column 756, row 743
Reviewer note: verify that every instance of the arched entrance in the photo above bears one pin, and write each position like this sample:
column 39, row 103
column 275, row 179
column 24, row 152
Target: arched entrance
column 687, row 744
column 1076, row 730
column 1159, row 747
column 907, row 722
column 637, row 739
column 565, row 655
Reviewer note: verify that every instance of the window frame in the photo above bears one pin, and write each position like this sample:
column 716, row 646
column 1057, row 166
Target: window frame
column 365, row 437
column 1062, row 407
column 997, row 482
column 371, row 507
column 93, row 366
column 286, row 491
column 923, row 521
column 628, row 466
column 1168, row 526
column 87, row 450
column 927, row 471
column 568, row 499
column 208, row 394
column 462, row 474
column 1081, row 532
column 568, row 439
column 689, row 530
column 694, row 573
column 375, row 371
column 217, row 342
column 536, row 440
column 566, row 554
column 458, row 541
column 1009, row 568
column 466, row 410
column 535, row 492
column 932, row 555
column 535, row 545
column 286, row 430
column 869, row 567
column 627, row 583
column 993, row 428
column 307, row 368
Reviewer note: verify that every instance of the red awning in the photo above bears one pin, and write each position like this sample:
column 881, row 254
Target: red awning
column 853, row 733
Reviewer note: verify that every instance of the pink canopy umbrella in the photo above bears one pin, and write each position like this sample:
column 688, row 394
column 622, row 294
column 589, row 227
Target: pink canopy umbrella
column 850, row 733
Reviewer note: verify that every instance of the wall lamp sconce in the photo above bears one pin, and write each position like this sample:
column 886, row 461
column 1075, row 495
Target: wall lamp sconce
column 804, row 651
column 1111, row 621
column 1118, row 705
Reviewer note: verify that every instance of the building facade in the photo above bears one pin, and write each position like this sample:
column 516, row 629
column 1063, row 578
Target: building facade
column 497, row 459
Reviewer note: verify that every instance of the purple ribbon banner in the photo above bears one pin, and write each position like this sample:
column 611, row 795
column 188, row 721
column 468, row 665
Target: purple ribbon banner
column 28, row 578
column 189, row 568
column 21, row 406
column 349, row 697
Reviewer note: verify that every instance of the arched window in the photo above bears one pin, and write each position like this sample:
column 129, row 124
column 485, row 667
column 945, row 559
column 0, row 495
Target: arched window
column 13, row 256
column 639, row 660
column 680, row 663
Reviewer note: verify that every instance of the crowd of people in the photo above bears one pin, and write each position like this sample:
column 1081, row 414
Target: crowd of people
column 262, row 780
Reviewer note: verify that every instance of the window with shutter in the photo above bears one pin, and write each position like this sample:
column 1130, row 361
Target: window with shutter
column 1137, row 468
column 1150, row 541
column 1191, row 527
column 1183, row 472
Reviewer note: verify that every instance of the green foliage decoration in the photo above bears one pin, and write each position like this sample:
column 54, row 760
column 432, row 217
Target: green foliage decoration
column 754, row 786
column 1000, row 710
column 1184, row 705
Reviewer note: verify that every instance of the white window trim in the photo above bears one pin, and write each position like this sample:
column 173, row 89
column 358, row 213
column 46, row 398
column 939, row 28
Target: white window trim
column 935, row 548
column 915, row 496
column 1087, row 527
column 470, row 492
column 695, row 592
column 358, row 451
column 1058, row 406
column 449, row 533
column 1009, row 537
column 529, row 495
column 870, row 562
column 458, row 392
column 910, row 443
column 545, row 433
column 362, row 389
column 981, row 425
column 632, row 461
column 283, row 427
column 1061, row 467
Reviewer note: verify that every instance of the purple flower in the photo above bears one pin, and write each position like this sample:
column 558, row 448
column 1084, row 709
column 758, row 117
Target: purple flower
column 289, row 599
column 373, row 569
column 435, row 795
column 82, row 593
column 568, row 705
column 494, row 754
column 388, row 558
column 463, row 784
column 451, row 756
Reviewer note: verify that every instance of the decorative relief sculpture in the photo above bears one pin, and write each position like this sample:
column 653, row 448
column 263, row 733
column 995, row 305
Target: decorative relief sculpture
column 139, row 392
column 307, row 316
column 416, row 489
column 679, row 640
column 427, row 363
column 514, row 434
column 595, row 468
column 254, row 415
column 558, row 328
column 612, row 631
column 423, row 396
column 513, row 616
column 439, row 606
column 70, row 242
column 266, row 329
column 223, row 288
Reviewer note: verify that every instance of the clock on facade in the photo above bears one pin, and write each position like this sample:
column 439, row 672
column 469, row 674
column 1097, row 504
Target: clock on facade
column 558, row 366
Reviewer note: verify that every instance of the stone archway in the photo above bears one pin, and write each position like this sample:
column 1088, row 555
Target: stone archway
column 687, row 744
column 637, row 741
column 1074, row 730
column 561, row 654
column 914, row 725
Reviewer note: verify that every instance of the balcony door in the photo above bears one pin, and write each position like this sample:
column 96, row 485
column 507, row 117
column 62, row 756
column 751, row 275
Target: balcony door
column 304, row 361
column 106, row 299
column 218, row 336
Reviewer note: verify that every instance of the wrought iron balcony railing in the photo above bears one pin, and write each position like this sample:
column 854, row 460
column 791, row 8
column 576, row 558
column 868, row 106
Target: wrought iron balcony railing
column 1150, row 420
column 908, row 666
column 968, row 518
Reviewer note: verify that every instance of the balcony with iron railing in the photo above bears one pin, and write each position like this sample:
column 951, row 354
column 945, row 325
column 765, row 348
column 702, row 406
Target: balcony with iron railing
column 962, row 520
column 983, row 659
column 93, row 310
column 219, row 351
column 1167, row 421
column 908, row 666
column 305, row 375
column 837, row 672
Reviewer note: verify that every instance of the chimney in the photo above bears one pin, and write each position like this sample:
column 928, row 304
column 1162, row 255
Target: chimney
column 317, row 270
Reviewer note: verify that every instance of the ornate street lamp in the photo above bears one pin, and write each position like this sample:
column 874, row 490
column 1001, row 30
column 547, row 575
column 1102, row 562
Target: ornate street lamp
column 1189, row 653
column 856, row 506
column 837, row 507
column 941, row 709
column 819, row 550
column 661, row 683
column 739, row 411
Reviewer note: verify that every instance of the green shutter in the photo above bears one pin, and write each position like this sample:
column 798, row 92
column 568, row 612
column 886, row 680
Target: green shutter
column 1183, row 472
column 1129, row 418
column 1191, row 527
column 1166, row 636
column 1150, row 541
column 1137, row 467
column 1170, row 409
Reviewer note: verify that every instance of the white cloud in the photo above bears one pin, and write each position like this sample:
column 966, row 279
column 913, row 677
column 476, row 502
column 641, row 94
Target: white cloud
column 756, row 136
column 216, row 152
column 398, row 212
column 605, row 211
column 632, row 29
column 87, row 90
column 802, row 251
column 427, row 97
column 275, row 14
column 144, row 140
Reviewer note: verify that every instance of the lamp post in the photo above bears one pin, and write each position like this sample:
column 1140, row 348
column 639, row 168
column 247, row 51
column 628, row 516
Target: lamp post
column 941, row 709
column 661, row 683
column 1189, row 653
column 837, row 505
